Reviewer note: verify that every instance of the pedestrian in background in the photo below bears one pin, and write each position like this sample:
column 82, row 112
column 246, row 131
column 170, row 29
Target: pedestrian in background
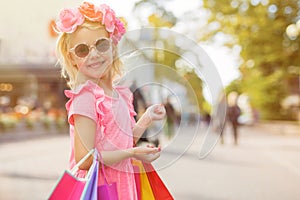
column 207, row 118
column 101, row 114
column 233, row 113
column 171, row 118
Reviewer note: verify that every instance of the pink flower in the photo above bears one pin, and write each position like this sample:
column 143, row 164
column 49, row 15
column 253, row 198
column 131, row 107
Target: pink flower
column 91, row 12
column 119, row 31
column 109, row 17
column 68, row 20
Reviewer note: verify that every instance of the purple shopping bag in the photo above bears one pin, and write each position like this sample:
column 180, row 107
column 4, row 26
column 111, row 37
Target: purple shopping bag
column 107, row 191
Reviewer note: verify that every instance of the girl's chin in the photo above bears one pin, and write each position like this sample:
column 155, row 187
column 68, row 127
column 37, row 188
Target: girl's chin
column 96, row 76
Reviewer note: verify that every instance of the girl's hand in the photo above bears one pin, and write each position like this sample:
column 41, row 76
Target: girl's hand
column 146, row 154
column 156, row 112
column 148, row 158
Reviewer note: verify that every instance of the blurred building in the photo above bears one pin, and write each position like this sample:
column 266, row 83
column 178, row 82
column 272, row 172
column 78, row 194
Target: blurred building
column 28, row 75
column 31, row 85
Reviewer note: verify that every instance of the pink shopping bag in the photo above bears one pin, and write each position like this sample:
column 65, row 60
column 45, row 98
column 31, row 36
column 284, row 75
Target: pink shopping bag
column 68, row 186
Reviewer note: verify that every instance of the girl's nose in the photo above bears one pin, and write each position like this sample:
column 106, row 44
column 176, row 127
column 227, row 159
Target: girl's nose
column 93, row 52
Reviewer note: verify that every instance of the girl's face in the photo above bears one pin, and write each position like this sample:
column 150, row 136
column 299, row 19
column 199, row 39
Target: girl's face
column 91, row 52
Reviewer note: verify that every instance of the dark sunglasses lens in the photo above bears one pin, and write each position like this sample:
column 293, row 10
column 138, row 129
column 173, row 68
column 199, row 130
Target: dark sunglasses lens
column 102, row 45
column 82, row 50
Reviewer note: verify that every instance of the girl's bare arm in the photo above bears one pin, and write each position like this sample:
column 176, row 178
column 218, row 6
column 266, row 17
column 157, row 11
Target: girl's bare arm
column 84, row 137
column 154, row 112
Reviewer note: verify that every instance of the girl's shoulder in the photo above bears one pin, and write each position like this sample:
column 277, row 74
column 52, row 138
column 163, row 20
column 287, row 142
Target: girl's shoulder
column 86, row 93
column 83, row 100
column 125, row 92
column 87, row 87
column 123, row 89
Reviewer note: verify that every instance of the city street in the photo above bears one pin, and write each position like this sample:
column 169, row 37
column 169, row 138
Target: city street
column 179, row 68
column 263, row 166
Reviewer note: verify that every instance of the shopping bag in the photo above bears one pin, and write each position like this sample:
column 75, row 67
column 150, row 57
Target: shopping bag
column 137, row 180
column 159, row 189
column 107, row 191
column 145, row 191
column 90, row 189
column 68, row 186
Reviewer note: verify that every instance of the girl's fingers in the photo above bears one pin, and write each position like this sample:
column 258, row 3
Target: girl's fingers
column 152, row 146
column 149, row 150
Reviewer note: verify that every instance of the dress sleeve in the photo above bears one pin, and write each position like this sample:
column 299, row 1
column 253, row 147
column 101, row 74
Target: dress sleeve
column 82, row 102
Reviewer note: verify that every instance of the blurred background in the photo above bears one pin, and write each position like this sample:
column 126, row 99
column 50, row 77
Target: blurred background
column 254, row 46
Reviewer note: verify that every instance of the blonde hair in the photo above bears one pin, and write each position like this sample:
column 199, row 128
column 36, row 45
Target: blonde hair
column 68, row 70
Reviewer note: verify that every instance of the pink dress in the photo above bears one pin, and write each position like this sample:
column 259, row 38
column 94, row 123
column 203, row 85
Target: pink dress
column 114, row 119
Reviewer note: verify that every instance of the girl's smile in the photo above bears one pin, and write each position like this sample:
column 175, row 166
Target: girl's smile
column 96, row 64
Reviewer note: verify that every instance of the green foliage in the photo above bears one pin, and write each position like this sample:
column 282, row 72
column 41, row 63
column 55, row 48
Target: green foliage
column 196, row 84
column 259, row 27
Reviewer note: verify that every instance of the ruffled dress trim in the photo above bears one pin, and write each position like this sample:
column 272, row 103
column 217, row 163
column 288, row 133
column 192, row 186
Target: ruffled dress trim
column 100, row 96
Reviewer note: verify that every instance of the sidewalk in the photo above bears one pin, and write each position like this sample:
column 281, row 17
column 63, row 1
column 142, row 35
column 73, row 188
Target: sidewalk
column 280, row 127
column 262, row 166
column 20, row 133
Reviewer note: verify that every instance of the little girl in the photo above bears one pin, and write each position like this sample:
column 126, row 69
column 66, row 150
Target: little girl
column 100, row 114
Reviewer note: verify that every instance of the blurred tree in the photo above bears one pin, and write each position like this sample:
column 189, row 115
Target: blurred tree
column 268, row 53
column 197, row 86
column 165, row 55
column 157, row 15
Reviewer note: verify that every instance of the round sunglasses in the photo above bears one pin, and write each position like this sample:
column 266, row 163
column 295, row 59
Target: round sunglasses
column 82, row 50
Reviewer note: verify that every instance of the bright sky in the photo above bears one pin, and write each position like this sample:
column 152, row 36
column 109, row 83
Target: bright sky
column 225, row 62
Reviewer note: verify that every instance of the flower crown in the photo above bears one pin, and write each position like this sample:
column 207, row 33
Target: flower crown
column 70, row 18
